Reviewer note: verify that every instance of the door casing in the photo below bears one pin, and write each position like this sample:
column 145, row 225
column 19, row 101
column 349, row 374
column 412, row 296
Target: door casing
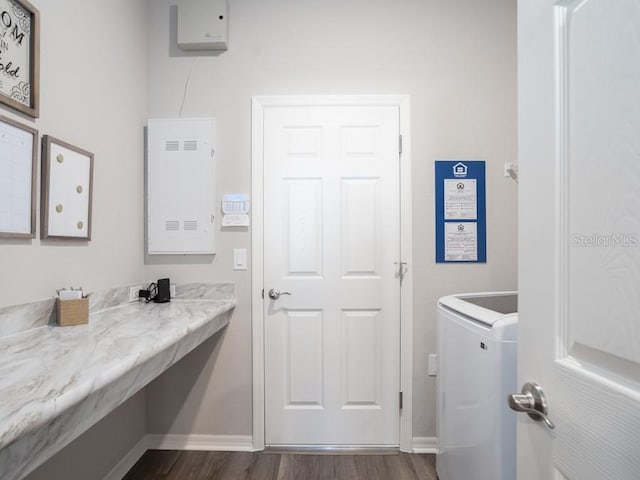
column 259, row 105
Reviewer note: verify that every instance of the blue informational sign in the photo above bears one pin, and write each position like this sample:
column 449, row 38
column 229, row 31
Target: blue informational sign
column 461, row 219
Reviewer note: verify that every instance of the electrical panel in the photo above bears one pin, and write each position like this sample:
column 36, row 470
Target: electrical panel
column 202, row 24
column 180, row 186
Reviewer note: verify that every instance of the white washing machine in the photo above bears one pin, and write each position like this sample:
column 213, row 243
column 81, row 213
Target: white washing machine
column 477, row 362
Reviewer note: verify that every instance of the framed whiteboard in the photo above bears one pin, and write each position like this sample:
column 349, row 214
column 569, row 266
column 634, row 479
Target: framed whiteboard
column 67, row 185
column 18, row 153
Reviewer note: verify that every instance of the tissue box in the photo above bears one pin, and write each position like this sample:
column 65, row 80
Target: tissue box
column 72, row 312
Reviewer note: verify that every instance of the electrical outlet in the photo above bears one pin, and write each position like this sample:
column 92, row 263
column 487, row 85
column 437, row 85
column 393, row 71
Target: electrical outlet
column 133, row 293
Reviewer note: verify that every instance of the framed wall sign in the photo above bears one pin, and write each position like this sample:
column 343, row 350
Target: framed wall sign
column 461, row 219
column 67, row 185
column 20, row 56
column 18, row 153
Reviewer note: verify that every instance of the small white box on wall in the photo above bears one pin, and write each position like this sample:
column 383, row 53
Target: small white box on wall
column 180, row 186
column 202, row 24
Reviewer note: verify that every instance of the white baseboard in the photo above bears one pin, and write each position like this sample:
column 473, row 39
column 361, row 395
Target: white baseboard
column 228, row 443
column 425, row 445
column 234, row 443
column 129, row 460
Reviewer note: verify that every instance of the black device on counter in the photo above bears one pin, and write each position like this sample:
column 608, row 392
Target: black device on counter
column 164, row 291
column 158, row 292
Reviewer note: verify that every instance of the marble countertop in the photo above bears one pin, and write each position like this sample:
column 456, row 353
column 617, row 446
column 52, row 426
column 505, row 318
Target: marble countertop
column 56, row 382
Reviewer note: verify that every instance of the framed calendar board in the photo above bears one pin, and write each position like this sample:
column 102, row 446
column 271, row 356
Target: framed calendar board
column 18, row 163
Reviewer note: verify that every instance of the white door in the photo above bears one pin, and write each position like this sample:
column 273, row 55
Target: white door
column 331, row 237
column 579, row 309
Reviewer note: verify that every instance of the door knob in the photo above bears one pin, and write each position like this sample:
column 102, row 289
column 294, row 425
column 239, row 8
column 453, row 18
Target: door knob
column 531, row 401
column 274, row 293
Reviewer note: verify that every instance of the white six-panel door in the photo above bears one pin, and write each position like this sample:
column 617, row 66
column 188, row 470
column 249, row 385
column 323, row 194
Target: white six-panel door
column 331, row 239
column 579, row 305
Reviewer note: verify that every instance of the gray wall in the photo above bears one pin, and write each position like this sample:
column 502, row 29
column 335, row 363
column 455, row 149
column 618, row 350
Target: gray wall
column 457, row 61
column 107, row 66
column 92, row 77
column 94, row 453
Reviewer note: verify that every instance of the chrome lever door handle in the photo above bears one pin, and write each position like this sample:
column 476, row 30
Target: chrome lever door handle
column 274, row 293
column 531, row 401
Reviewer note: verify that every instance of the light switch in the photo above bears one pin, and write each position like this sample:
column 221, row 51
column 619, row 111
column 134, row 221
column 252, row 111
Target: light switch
column 239, row 258
column 433, row 365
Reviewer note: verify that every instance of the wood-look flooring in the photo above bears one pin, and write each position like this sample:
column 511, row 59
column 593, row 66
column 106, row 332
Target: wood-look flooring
column 196, row 465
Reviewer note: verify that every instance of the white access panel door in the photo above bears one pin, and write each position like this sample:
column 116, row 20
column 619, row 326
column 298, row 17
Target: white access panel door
column 180, row 186
column 579, row 142
column 331, row 237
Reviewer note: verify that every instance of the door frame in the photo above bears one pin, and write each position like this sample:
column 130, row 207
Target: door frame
column 258, row 106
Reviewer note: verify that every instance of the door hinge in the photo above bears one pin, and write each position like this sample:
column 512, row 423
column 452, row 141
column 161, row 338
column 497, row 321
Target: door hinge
column 400, row 400
column 263, row 293
column 400, row 144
